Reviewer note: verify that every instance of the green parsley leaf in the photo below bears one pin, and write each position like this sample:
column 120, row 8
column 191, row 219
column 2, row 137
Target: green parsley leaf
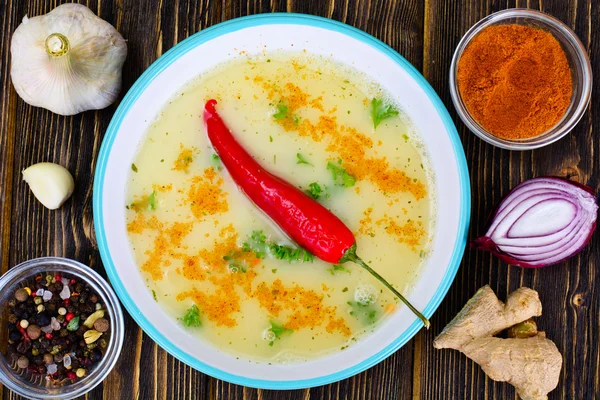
column 289, row 254
column 282, row 111
column 216, row 161
column 279, row 330
column 339, row 174
column 315, row 191
column 367, row 314
column 301, row 159
column 192, row 317
column 152, row 200
column 379, row 111
column 256, row 244
column 335, row 268
column 134, row 168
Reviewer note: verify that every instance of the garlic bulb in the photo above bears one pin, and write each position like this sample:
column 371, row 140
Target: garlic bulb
column 51, row 184
column 67, row 61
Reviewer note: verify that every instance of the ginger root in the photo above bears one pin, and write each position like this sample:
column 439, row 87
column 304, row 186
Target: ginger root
column 528, row 361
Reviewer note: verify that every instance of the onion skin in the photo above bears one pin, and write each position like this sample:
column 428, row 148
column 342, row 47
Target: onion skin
column 486, row 243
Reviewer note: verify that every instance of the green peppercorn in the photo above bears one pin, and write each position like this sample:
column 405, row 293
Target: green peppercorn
column 73, row 324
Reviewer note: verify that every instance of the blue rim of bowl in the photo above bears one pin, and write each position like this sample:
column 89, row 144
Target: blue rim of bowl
column 164, row 62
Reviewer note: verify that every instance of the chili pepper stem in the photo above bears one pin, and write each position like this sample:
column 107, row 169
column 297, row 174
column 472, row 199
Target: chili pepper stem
column 353, row 257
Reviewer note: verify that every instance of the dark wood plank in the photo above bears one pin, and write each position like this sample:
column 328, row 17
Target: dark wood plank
column 568, row 297
column 426, row 33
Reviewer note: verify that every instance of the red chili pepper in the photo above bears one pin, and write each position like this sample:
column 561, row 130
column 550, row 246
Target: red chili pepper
column 23, row 332
column 306, row 221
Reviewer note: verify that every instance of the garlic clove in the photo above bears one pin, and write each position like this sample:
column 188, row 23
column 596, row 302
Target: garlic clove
column 51, row 184
column 67, row 61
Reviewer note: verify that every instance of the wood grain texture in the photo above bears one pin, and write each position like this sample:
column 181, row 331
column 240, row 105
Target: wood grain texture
column 426, row 33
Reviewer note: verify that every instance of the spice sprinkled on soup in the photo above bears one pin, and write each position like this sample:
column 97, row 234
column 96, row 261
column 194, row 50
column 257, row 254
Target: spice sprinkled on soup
column 215, row 263
column 515, row 81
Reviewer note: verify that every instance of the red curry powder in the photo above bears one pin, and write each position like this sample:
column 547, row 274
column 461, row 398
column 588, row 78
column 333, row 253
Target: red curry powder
column 515, row 81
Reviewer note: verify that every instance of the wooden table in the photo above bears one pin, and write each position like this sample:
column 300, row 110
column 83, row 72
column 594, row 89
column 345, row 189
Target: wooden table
column 426, row 33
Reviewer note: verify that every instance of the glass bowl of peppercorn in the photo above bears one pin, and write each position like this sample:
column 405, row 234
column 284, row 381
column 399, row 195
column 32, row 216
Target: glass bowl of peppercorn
column 520, row 79
column 62, row 328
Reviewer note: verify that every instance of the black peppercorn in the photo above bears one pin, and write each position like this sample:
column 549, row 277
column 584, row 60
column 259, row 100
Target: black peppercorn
column 14, row 335
column 23, row 346
column 95, row 355
column 43, row 319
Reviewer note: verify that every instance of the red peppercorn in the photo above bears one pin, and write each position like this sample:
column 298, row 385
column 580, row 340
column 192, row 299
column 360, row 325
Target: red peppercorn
column 38, row 278
column 67, row 302
column 69, row 316
column 57, row 277
column 23, row 332
column 72, row 282
column 71, row 375
column 49, row 336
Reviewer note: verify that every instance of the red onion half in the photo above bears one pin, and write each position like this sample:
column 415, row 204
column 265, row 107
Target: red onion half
column 541, row 222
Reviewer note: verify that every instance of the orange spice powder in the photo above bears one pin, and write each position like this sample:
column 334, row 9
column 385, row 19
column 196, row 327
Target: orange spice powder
column 184, row 159
column 349, row 144
column 515, row 81
column 205, row 195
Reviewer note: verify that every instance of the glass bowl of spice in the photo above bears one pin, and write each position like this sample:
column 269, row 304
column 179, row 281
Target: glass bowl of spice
column 62, row 329
column 520, row 79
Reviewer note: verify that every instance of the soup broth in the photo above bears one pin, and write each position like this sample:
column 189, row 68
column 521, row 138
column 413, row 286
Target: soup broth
column 222, row 269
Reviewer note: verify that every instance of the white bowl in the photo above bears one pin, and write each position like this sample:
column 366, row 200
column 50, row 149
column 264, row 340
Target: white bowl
column 292, row 32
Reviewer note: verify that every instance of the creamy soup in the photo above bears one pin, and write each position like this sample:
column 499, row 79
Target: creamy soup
column 223, row 270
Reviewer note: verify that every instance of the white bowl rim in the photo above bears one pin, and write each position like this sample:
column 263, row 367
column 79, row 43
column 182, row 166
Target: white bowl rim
column 164, row 62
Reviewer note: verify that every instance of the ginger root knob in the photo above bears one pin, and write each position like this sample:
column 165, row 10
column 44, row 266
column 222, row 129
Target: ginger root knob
column 527, row 359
